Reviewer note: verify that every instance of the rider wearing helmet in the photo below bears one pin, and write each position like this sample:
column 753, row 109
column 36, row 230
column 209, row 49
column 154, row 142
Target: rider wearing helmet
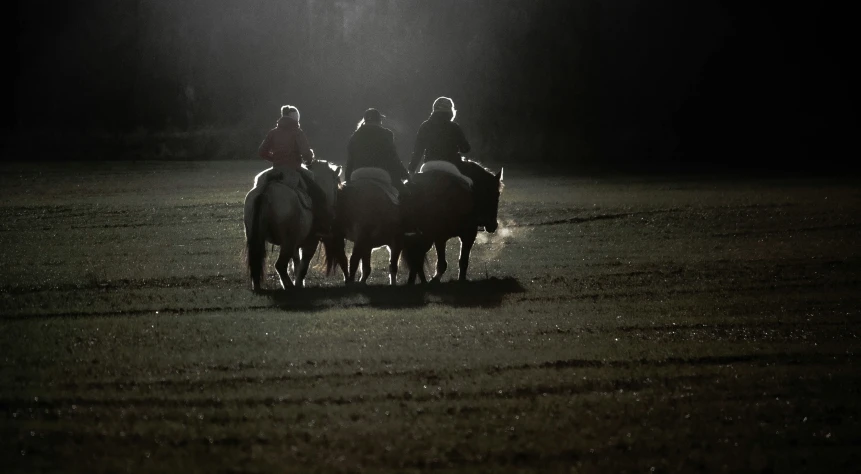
column 439, row 137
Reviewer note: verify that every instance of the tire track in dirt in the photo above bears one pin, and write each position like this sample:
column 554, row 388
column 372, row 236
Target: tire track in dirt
column 599, row 217
column 785, row 231
column 580, row 387
column 209, row 281
column 669, row 384
column 668, row 292
column 431, row 376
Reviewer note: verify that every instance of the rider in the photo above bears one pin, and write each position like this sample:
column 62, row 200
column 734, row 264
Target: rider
column 439, row 137
column 286, row 146
column 372, row 145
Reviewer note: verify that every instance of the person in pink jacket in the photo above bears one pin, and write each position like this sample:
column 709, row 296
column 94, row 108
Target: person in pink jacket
column 286, row 146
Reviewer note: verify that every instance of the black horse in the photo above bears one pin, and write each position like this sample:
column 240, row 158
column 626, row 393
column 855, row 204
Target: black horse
column 368, row 217
column 442, row 206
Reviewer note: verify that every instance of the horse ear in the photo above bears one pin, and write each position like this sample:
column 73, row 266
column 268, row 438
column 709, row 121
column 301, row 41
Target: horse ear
column 499, row 176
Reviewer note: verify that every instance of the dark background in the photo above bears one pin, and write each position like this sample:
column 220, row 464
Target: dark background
column 621, row 86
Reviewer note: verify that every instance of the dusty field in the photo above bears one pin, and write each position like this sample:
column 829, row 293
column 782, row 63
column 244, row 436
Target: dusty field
column 612, row 325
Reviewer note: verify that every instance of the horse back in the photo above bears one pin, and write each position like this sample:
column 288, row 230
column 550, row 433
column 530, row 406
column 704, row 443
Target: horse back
column 441, row 205
column 284, row 213
column 367, row 212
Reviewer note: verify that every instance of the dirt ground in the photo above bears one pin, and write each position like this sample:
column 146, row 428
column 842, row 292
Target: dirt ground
column 611, row 325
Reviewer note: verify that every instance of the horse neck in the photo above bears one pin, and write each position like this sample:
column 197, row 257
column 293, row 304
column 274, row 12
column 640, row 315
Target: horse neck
column 486, row 191
column 326, row 179
column 475, row 172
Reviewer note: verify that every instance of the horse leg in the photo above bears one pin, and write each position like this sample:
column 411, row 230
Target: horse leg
column 366, row 265
column 466, row 243
column 336, row 254
column 425, row 249
column 284, row 257
column 441, row 264
column 416, row 251
column 411, row 278
column 296, row 259
column 411, row 266
column 394, row 255
column 354, row 263
column 342, row 262
column 301, row 270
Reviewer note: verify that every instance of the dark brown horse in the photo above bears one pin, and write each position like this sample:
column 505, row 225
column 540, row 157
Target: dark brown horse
column 443, row 207
column 368, row 217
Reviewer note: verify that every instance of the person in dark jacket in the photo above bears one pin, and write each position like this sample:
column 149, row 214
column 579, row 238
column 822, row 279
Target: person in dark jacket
column 286, row 146
column 372, row 145
column 439, row 137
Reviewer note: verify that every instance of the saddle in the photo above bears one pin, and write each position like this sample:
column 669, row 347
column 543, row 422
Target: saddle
column 377, row 177
column 284, row 177
column 438, row 166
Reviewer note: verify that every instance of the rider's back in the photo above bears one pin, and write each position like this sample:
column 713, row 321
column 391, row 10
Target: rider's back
column 439, row 138
column 372, row 146
column 286, row 144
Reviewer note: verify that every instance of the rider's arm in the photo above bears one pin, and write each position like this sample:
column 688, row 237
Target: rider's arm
column 462, row 144
column 304, row 148
column 265, row 149
column 418, row 150
column 397, row 166
column 349, row 166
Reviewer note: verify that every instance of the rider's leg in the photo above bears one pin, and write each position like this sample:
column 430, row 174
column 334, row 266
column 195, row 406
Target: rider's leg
column 322, row 213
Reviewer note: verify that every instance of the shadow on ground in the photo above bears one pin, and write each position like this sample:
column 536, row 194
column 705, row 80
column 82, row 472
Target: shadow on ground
column 479, row 293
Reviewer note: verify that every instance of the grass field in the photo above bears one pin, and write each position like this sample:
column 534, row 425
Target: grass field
column 611, row 325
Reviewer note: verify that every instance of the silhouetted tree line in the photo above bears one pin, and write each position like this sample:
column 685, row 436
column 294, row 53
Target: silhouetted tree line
column 584, row 82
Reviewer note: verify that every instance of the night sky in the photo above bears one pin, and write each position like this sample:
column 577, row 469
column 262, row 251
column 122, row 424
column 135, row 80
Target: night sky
column 628, row 86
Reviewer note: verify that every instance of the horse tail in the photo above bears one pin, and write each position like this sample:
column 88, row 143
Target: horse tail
column 255, row 241
column 415, row 253
column 335, row 248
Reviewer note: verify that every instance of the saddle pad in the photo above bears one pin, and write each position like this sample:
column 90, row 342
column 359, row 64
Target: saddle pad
column 378, row 177
column 284, row 177
column 445, row 167
column 390, row 191
column 378, row 174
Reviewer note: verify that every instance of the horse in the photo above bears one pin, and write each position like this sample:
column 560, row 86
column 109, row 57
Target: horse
column 368, row 216
column 442, row 206
column 275, row 213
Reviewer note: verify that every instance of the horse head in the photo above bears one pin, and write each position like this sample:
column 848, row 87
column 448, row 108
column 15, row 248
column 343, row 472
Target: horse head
column 488, row 187
column 328, row 176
